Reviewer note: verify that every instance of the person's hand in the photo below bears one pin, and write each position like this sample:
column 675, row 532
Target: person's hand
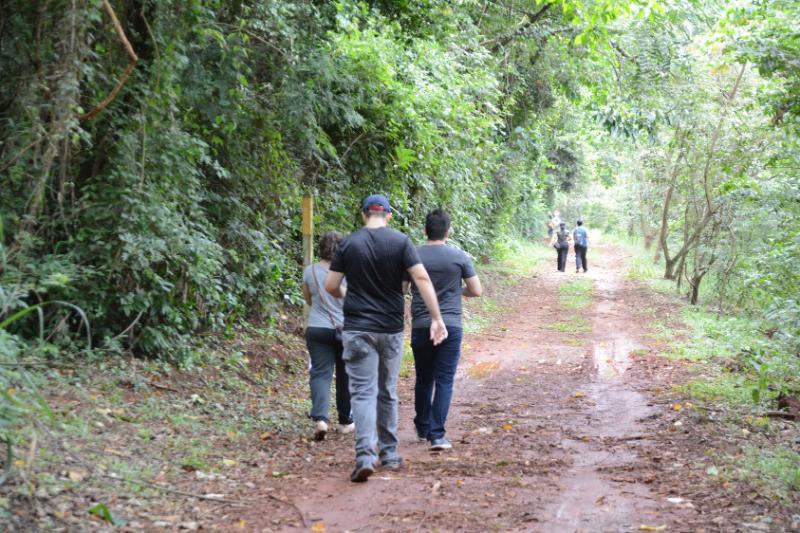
column 438, row 331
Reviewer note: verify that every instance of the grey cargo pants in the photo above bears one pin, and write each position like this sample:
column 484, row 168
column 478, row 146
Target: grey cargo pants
column 373, row 361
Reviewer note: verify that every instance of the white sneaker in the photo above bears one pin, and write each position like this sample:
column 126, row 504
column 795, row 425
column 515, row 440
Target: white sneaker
column 320, row 430
column 346, row 429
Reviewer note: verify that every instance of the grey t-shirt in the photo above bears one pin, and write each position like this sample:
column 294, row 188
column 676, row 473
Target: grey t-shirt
column 318, row 317
column 447, row 266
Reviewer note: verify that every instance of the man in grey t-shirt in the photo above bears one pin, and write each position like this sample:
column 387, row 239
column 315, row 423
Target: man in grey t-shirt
column 436, row 364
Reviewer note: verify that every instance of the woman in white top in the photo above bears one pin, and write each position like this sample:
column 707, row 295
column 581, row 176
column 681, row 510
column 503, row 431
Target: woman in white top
column 324, row 342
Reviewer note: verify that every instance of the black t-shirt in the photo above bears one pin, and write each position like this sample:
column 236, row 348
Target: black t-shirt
column 447, row 266
column 374, row 262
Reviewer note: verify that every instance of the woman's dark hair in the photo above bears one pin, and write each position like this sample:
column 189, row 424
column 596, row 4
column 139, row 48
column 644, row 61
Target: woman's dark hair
column 580, row 222
column 436, row 224
column 328, row 244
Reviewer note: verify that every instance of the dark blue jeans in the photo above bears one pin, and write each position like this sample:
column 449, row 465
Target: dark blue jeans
column 580, row 257
column 436, row 370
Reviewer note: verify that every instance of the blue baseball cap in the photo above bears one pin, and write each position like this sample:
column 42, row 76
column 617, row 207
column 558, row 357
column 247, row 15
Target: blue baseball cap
column 376, row 202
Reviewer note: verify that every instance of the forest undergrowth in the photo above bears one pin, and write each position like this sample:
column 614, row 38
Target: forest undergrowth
column 738, row 379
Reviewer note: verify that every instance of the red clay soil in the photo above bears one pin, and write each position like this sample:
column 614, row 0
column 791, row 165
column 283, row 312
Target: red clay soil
column 562, row 421
column 548, row 422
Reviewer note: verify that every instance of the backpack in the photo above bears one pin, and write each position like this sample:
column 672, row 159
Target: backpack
column 579, row 235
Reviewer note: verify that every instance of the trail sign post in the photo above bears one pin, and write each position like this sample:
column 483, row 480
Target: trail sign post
column 308, row 238
column 308, row 230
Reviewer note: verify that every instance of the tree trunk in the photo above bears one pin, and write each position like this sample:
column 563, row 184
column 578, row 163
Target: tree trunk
column 673, row 174
column 662, row 234
column 695, row 290
column 646, row 233
column 669, row 267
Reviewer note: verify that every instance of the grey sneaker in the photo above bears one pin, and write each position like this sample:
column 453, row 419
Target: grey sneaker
column 361, row 473
column 392, row 464
column 438, row 445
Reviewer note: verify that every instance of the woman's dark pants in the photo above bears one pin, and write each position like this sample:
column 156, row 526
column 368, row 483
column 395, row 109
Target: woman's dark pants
column 436, row 370
column 326, row 354
column 561, row 260
column 580, row 257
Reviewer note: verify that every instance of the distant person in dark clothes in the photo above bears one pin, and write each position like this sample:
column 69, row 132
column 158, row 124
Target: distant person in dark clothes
column 561, row 242
column 550, row 226
column 581, row 239
column 447, row 267
column 325, row 343
column 374, row 260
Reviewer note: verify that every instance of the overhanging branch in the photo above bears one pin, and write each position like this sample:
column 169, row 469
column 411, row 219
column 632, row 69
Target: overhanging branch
column 533, row 18
column 134, row 59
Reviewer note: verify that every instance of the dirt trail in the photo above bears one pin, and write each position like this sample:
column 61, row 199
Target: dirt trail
column 547, row 426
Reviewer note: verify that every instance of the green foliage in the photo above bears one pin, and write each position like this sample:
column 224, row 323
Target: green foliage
column 574, row 325
column 174, row 212
column 102, row 511
column 577, row 294
column 764, row 34
column 742, row 365
column 777, row 469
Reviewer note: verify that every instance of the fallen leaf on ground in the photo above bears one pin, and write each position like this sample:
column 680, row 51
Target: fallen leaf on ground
column 319, row 527
column 677, row 407
column 579, row 394
column 117, row 452
column 76, row 476
column 507, row 427
column 436, row 487
column 645, row 527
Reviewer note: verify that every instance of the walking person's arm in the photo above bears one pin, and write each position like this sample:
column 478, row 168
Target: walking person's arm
column 472, row 287
column 306, row 294
column 425, row 287
column 333, row 284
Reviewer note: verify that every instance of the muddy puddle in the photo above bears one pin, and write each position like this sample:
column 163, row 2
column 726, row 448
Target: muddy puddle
column 612, row 358
column 596, row 495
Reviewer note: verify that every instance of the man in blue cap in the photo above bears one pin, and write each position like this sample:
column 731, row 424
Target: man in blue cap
column 374, row 260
